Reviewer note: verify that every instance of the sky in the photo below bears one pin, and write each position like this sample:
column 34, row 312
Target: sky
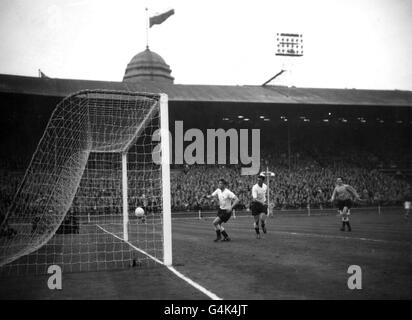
column 363, row 44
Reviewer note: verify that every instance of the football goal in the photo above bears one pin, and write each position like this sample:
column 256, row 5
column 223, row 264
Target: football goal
column 102, row 155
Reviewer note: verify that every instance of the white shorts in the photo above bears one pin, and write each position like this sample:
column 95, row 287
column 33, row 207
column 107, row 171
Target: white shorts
column 407, row 205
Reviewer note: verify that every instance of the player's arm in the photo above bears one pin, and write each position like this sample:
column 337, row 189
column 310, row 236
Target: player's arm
column 353, row 192
column 235, row 201
column 210, row 196
column 333, row 195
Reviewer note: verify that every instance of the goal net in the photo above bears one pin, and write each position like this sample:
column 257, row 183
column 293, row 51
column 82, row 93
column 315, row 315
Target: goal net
column 97, row 161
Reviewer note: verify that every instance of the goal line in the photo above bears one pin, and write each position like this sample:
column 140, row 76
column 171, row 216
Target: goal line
column 194, row 284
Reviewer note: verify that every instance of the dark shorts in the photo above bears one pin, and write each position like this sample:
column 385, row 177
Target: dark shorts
column 258, row 208
column 224, row 215
column 344, row 203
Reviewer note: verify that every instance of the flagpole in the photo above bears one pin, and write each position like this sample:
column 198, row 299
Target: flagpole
column 147, row 29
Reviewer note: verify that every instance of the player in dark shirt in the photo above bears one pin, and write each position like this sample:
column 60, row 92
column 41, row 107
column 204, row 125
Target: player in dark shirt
column 344, row 194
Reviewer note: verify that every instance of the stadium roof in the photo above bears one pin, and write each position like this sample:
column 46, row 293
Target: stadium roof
column 211, row 93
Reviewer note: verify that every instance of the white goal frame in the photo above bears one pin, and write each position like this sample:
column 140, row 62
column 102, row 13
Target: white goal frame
column 166, row 197
column 165, row 163
column 127, row 223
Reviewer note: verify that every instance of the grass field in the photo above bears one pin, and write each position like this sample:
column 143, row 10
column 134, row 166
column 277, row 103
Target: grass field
column 301, row 257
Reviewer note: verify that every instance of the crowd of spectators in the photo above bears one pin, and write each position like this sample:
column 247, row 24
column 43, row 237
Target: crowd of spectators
column 99, row 192
column 300, row 180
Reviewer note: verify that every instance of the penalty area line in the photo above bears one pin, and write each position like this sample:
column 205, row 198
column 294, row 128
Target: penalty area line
column 333, row 237
column 172, row 269
column 327, row 236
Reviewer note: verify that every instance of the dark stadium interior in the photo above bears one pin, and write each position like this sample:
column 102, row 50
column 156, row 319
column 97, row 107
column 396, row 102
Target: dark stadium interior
column 24, row 118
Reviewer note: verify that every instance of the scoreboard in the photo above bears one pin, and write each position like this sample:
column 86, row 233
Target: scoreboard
column 289, row 44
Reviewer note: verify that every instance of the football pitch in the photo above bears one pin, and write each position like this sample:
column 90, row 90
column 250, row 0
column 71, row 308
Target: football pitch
column 300, row 257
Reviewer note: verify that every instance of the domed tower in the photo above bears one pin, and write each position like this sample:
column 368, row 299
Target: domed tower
column 148, row 66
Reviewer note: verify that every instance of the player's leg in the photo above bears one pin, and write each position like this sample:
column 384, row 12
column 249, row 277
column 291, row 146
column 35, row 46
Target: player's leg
column 256, row 225
column 341, row 214
column 348, row 224
column 217, row 226
column 343, row 223
column 224, row 234
column 347, row 218
column 344, row 217
column 256, row 217
column 262, row 218
column 225, row 218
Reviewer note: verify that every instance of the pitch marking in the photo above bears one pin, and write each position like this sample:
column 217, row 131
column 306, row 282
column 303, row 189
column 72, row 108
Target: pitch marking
column 177, row 273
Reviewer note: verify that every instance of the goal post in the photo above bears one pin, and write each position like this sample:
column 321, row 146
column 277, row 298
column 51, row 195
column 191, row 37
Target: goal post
column 125, row 197
column 166, row 192
column 93, row 166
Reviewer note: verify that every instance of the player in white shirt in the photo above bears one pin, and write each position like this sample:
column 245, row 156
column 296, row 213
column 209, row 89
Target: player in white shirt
column 227, row 201
column 259, row 205
column 408, row 204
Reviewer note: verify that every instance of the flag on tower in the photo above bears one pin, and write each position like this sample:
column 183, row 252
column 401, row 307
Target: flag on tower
column 160, row 18
column 42, row 75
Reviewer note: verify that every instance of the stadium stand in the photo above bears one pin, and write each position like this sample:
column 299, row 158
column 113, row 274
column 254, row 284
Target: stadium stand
column 309, row 181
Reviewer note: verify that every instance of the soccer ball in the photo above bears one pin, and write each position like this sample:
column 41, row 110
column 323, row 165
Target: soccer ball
column 139, row 212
